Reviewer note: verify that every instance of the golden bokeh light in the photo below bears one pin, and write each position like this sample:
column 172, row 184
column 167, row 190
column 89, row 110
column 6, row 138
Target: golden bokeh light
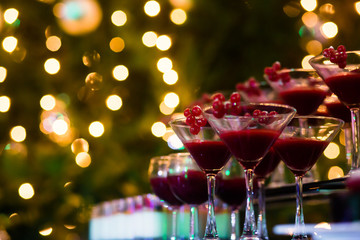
column 18, row 133
column 165, row 109
column 310, row 19
column 152, row 8
column 5, row 103
column 171, row 100
column 119, row 18
column 327, row 8
column 174, row 142
column 9, row 44
column 309, row 5
column 83, row 159
column 120, row 73
column 332, row 151
column 60, row 126
column 52, row 66
column 117, row 44
column 170, row 77
column 158, row 129
column 335, row 172
column 3, row 74
column 163, row 42
column 96, row 129
column 79, row 145
column 114, row 102
column 314, row 47
column 26, row 191
column 48, row 102
column 149, row 39
column 11, row 15
column 164, row 64
column 357, row 7
column 53, row 43
column 178, row 16
column 46, row 231
column 305, row 62
column 329, row 30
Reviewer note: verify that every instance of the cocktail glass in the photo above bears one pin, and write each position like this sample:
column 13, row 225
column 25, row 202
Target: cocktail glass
column 262, row 171
column 231, row 189
column 253, row 91
column 211, row 155
column 249, row 138
column 303, row 90
column 345, row 84
column 158, row 171
column 188, row 182
column 300, row 148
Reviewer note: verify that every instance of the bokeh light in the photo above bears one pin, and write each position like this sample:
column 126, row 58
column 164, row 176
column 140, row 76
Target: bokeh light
column 149, row 39
column 79, row 145
column 120, row 73
column 305, row 62
column 26, row 191
column 53, row 43
column 83, row 159
column 308, row 5
column 119, row 18
column 165, row 109
column 96, row 129
column 18, row 133
column 178, row 16
column 335, row 172
column 175, row 143
column 10, row 15
column 48, row 102
column 171, row 100
column 9, row 44
column 94, row 80
column 170, row 77
column 310, row 19
column 152, row 8
column 164, row 64
column 332, row 151
column 46, row 231
column 5, row 103
column 117, row 44
column 163, row 42
column 329, row 30
column 3, row 74
column 52, row 66
column 314, row 47
column 60, row 127
column 114, row 102
column 158, row 129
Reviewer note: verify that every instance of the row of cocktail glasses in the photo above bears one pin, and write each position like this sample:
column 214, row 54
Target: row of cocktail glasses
column 298, row 140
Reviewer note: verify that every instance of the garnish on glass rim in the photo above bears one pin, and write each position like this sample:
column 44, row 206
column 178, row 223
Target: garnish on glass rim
column 221, row 107
column 274, row 74
column 337, row 56
column 251, row 87
column 194, row 119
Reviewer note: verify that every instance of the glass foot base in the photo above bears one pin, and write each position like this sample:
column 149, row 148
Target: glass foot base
column 211, row 238
column 301, row 237
column 250, row 238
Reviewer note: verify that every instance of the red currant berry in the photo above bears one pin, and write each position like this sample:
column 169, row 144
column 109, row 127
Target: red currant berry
column 256, row 112
column 235, row 97
column 240, row 87
column 218, row 105
column 187, row 112
column 196, row 111
column 341, row 48
column 272, row 113
column 201, row 122
column 218, row 96
column 247, row 114
column 276, row 66
column 236, row 109
column 190, row 120
column 194, row 129
column 219, row 114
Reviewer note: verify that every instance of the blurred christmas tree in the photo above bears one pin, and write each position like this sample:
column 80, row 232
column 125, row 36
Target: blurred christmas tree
column 82, row 85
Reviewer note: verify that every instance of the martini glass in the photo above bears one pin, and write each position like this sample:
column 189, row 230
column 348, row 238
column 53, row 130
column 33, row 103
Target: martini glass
column 188, row 182
column 300, row 148
column 345, row 84
column 158, row 171
column 211, row 155
column 231, row 189
column 262, row 172
column 249, row 138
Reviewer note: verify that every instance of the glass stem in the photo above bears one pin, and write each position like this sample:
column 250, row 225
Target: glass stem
column 173, row 223
column 194, row 230
column 261, row 223
column 249, row 229
column 210, row 231
column 348, row 144
column 299, row 231
column 355, row 137
column 233, row 221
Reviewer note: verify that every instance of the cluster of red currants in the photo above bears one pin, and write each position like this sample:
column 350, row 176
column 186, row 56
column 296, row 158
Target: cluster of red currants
column 262, row 116
column 337, row 56
column 231, row 107
column 274, row 75
column 251, row 87
column 194, row 119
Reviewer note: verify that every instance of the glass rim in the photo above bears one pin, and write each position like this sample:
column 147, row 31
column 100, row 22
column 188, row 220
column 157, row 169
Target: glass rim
column 321, row 56
column 340, row 121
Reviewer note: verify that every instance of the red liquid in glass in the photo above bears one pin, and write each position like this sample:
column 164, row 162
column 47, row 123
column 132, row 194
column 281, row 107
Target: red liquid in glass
column 232, row 191
column 300, row 154
column 249, row 146
column 161, row 189
column 305, row 100
column 267, row 164
column 338, row 110
column 190, row 187
column 346, row 87
column 211, row 156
